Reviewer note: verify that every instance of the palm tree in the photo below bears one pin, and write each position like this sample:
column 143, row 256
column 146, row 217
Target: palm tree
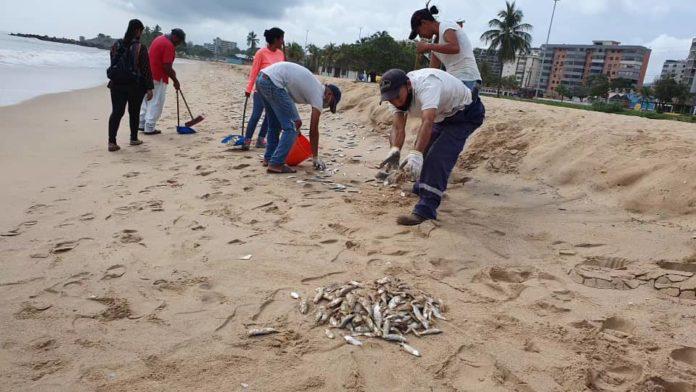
column 315, row 53
column 252, row 41
column 508, row 36
column 294, row 52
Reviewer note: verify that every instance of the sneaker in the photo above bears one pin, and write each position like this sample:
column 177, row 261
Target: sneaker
column 113, row 147
column 136, row 142
column 155, row 132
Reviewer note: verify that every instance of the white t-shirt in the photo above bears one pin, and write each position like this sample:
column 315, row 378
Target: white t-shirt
column 298, row 81
column 436, row 89
column 463, row 64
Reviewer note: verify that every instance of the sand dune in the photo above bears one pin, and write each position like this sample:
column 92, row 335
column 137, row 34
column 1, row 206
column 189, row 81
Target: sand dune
column 565, row 252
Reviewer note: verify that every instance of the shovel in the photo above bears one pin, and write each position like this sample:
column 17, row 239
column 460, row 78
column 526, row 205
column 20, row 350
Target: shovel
column 187, row 126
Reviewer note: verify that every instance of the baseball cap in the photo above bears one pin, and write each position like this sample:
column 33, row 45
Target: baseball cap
column 337, row 96
column 391, row 83
column 416, row 19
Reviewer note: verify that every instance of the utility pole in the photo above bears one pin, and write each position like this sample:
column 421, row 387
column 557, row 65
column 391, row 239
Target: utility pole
column 543, row 52
column 360, row 34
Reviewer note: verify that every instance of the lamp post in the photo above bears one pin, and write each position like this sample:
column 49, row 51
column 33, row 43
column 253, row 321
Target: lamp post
column 543, row 52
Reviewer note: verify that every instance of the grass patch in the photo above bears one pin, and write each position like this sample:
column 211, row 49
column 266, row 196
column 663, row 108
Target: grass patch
column 612, row 108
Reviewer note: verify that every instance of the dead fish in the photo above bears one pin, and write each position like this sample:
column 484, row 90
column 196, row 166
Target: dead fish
column 319, row 295
column 261, row 331
column 335, row 302
column 420, row 317
column 304, row 306
column 394, row 338
column 318, row 315
column 437, row 314
column 383, row 281
column 394, row 302
column 345, row 290
column 386, row 327
column 432, row 331
column 410, row 350
column 351, row 340
column 295, row 295
column 345, row 321
column 333, row 322
column 329, row 334
column 377, row 315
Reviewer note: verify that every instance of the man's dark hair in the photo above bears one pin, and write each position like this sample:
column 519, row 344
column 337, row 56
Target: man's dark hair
column 133, row 26
column 273, row 34
column 179, row 33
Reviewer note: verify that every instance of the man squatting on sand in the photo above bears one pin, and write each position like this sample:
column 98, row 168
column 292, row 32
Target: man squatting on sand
column 281, row 86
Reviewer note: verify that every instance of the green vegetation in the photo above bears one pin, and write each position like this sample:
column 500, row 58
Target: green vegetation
column 611, row 108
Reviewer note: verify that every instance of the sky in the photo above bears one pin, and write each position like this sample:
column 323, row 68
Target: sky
column 665, row 26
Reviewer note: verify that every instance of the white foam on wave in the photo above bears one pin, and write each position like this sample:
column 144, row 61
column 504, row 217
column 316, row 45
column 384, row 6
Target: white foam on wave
column 17, row 52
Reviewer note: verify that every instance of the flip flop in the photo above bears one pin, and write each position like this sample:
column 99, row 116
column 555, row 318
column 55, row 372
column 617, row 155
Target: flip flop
column 285, row 170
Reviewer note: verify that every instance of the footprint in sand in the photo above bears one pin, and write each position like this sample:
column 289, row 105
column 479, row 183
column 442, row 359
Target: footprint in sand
column 87, row 217
column 131, row 174
column 18, row 230
column 685, row 355
column 615, row 377
column 618, row 324
column 64, row 246
column 128, row 236
column 241, row 166
column 114, row 272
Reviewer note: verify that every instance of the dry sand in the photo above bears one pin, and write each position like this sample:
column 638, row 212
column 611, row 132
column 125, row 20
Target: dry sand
column 565, row 249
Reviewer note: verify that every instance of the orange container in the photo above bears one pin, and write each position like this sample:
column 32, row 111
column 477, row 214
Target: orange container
column 299, row 152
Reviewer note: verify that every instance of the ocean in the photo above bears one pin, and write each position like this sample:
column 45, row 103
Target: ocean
column 30, row 68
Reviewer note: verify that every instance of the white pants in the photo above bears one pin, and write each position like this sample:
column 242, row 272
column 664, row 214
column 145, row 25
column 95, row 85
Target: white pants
column 151, row 110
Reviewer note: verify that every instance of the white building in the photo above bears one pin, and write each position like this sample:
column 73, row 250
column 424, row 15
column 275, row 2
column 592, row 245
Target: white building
column 528, row 68
column 674, row 69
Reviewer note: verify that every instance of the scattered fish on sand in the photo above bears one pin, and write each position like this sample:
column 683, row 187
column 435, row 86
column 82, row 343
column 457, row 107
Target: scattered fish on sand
column 261, row 332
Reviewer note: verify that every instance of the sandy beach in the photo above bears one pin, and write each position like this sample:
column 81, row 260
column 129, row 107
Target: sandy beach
column 565, row 252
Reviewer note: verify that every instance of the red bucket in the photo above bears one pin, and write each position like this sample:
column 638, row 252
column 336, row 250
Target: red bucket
column 299, row 152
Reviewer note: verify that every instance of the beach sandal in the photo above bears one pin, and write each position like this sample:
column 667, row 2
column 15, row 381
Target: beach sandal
column 113, row 147
column 264, row 163
column 155, row 132
column 285, row 169
column 246, row 146
column 136, row 142
column 261, row 143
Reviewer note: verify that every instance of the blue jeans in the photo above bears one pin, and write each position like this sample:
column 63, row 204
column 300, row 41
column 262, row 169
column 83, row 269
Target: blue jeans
column 281, row 113
column 446, row 143
column 256, row 113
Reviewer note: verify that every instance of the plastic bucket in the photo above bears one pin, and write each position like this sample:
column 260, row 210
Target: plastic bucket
column 299, row 152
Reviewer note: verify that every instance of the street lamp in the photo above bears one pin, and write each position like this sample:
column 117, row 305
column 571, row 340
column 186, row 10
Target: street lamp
column 543, row 53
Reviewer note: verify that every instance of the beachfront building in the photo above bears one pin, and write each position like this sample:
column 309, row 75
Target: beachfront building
column 674, row 69
column 527, row 68
column 573, row 65
column 690, row 69
column 221, row 47
column 490, row 58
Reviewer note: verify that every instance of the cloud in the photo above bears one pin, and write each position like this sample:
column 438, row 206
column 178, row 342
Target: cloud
column 665, row 47
column 221, row 10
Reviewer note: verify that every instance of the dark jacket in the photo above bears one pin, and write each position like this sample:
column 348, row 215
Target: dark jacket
column 145, row 82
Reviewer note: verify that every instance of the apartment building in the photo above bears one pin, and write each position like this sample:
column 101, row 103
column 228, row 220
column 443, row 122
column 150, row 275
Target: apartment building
column 573, row 65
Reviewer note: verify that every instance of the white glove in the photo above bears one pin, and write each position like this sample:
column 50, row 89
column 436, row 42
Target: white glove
column 318, row 164
column 392, row 161
column 413, row 164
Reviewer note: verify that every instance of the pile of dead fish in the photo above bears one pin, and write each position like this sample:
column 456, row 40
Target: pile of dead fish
column 388, row 309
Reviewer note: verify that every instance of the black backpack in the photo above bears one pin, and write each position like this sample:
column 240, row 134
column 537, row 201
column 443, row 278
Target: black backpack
column 125, row 67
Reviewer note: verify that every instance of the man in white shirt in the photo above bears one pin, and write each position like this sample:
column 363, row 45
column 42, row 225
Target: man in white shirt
column 281, row 86
column 449, row 115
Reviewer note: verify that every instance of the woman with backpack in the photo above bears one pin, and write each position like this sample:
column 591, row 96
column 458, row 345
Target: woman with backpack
column 271, row 54
column 130, row 81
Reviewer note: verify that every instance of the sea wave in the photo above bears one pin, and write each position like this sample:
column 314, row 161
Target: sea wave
column 16, row 51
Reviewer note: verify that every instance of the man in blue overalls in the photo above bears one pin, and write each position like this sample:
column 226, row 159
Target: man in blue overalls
column 450, row 112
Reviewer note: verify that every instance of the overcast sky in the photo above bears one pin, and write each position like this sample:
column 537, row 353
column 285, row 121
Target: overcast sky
column 666, row 26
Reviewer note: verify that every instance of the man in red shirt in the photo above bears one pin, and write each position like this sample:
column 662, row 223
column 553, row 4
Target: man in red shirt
column 162, row 55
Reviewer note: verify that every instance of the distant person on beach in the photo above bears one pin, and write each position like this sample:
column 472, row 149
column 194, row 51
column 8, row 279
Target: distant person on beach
column 162, row 55
column 130, row 81
column 451, row 48
column 281, row 86
column 271, row 54
column 450, row 112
